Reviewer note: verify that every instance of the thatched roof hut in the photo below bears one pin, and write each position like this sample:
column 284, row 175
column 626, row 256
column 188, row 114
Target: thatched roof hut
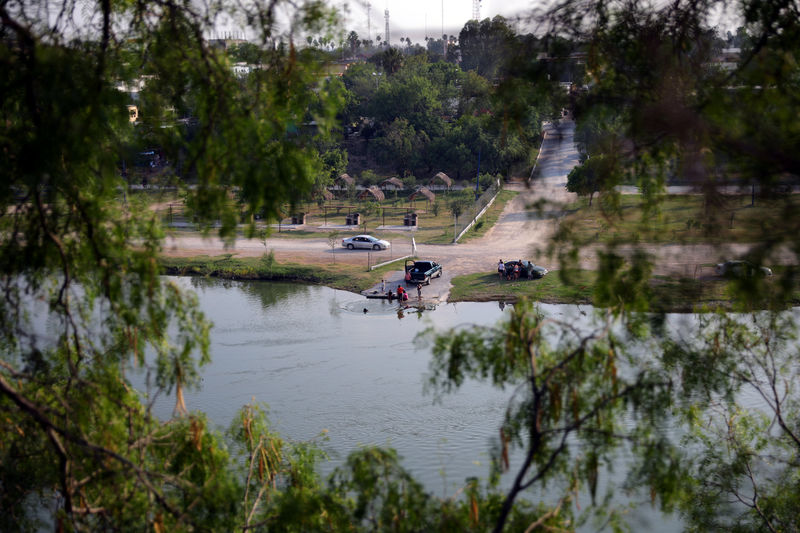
column 325, row 194
column 344, row 180
column 444, row 178
column 393, row 182
column 422, row 191
column 374, row 191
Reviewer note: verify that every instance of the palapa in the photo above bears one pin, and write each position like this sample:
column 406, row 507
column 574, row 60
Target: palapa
column 344, row 180
column 392, row 181
column 374, row 191
column 443, row 177
column 424, row 191
column 326, row 195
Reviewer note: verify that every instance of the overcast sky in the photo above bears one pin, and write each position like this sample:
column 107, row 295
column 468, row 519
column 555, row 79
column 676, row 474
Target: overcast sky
column 418, row 18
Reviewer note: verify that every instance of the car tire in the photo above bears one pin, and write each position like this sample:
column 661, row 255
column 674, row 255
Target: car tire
column 376, row 246
column 350, row 246
column 427, row 280
column 441, row 271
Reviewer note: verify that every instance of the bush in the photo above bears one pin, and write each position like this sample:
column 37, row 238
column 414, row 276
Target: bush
column 268, row 260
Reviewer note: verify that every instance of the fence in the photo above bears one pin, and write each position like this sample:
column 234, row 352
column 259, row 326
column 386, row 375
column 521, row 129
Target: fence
column 471, row 215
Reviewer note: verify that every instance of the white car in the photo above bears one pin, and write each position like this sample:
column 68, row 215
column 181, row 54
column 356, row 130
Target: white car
column 367, row 242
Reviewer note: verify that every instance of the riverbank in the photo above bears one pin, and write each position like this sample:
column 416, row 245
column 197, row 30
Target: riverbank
column 666, row 294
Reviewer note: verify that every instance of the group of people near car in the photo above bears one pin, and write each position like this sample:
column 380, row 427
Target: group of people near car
column 510, row 273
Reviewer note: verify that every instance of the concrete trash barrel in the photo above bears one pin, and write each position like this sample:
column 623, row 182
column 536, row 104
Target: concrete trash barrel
column 410, row 219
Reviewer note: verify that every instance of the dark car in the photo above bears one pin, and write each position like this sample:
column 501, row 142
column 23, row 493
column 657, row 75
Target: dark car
column 422, row 271
column 741, row 269
column 527, row 270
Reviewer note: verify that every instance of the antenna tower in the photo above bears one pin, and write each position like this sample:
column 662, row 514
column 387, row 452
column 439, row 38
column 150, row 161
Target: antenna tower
column 387, row 40
column 369, row 22
column 476, row 10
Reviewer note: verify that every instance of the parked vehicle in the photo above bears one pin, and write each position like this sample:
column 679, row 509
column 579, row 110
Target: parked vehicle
column 367, row 242
column 741, row 269
column 422, row 271
column 527, row 270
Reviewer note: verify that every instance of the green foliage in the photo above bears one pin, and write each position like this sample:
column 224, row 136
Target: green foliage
column 460, row 202
column 268, row 260
column 401, row 145
column 369, row 177
column 78, row 440
column 485, row 45
column 82, row 450
column 390, row 60
column 659, row 111
column 245, row 53
column 570, row 387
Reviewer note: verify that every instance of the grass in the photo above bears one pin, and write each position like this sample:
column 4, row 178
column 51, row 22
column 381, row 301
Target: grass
column 483, row 225
column 680, row 219
column 487, row 287
column 431, row 228
column 339, row 276
column 667, row 294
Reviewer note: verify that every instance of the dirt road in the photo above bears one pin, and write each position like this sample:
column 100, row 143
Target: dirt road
column 517, row 234
column 522, row 231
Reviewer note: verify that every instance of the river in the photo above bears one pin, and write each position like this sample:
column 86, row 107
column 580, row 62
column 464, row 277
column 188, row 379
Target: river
column 330, row 361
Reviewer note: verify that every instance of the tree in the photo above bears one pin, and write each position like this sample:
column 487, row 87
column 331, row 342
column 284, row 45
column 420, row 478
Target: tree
column 390, row 60
column 246, row 53
column 333, row 163
column 333, row 240
column 400, row 145
column 354, row 42
column 566, row 391
column 77, row 439
column 459, row 202
column 675, row 117
column 596, row 174
column 485, row 45
column 361, row 80
column 411, row 98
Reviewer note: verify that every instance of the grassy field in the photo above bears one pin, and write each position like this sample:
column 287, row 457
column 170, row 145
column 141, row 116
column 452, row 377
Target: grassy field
column 435, row 225
column 485, row 287
column 685, row 219
column 666, row 294
column 340, row 276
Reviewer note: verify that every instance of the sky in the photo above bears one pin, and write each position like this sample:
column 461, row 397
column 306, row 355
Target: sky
column 418, row 18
